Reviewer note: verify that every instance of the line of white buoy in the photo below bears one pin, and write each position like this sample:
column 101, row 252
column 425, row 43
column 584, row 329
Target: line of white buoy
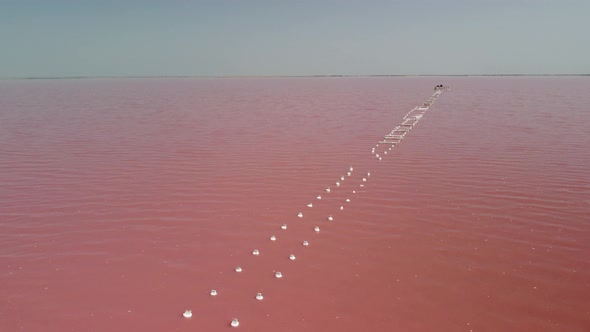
column 391, row 139
column 235, row 322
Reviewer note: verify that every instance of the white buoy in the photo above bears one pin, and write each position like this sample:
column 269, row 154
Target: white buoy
column 213, row 292
column 305, row 243
column 377, row 155
column 328, row 189
column 187, row 314
column 379, row 158
column 369, row 173
column 319, row 197
column 273, row 238
column 364, row 179
column 292, row 257
column 235, row 322
column 330, row 218
column 350, row 169
column 300, row 215
column 284, row 226
column 354, row 191
column 278, row 275
column 309, row 205
column 342, row 178
column 259, row 296
column 337, row 184
column 341, row 207
column 348, row 200
column 238, row 269
column 348, row 173
column 317, row 229
column 255, row 252
column 384, row 152
column 361, row 185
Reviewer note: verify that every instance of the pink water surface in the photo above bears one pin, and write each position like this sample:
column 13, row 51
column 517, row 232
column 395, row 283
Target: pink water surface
column 123, row 202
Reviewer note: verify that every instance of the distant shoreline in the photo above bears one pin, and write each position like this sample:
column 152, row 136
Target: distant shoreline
column 284, row 76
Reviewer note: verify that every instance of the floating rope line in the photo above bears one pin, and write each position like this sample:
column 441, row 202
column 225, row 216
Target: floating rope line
column 379, row 151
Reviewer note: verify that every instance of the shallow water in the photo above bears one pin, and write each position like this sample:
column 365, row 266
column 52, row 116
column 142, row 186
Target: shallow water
column 125, row 201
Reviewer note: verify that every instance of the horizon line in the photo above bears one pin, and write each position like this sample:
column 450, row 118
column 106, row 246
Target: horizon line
column 277, row 76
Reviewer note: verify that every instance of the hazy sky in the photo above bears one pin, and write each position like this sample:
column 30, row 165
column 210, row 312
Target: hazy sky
column 296, row 37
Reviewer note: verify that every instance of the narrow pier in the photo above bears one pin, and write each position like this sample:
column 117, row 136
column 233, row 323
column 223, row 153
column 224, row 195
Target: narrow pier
column 410, row 120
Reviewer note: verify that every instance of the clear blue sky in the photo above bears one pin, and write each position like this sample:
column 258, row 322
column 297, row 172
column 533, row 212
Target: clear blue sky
column 296, row 37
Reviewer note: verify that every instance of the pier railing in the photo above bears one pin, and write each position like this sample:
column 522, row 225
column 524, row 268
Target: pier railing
column 410, row 120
